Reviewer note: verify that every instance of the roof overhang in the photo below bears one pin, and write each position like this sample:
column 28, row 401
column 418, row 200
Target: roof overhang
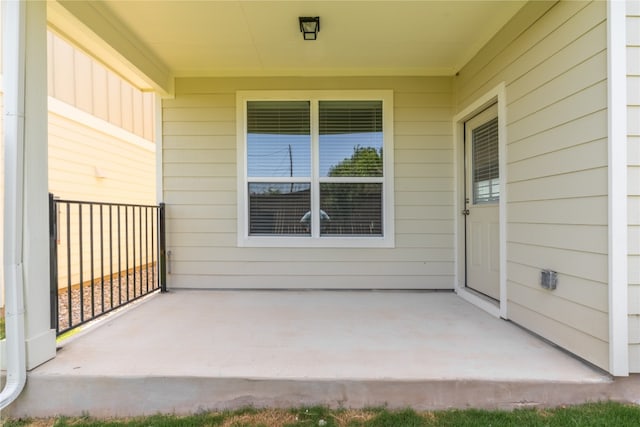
column 151, row 42
column 92, row 28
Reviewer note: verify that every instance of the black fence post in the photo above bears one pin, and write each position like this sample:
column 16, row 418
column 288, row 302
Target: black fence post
column 162, row 258
column 53, row 261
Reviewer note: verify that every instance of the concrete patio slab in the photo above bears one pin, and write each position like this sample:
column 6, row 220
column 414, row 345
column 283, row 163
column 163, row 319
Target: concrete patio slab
column 191, row 350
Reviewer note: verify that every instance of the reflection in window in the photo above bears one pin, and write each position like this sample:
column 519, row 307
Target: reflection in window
column 350, row 138
column 315, row 168
column 486, row 191
column 351, row 144
column 277, row 208
column 354, row 209
column 278, row 139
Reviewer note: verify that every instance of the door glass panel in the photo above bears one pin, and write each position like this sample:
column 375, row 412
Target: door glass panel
column 486, row 175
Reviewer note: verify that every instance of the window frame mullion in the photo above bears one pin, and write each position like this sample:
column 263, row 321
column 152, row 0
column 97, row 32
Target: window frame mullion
column 315, row 168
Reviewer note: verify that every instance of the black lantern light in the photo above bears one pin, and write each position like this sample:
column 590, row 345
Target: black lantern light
column 309, row 27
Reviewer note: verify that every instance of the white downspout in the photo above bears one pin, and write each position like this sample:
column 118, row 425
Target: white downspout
column 13, row 39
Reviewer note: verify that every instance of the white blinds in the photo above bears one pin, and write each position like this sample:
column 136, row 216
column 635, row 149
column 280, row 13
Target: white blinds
column 486, row 174
column 351, row 147
column 278, row 117
column 288, row 186
column 278, row 139
column 350, row 138
column 279, row 209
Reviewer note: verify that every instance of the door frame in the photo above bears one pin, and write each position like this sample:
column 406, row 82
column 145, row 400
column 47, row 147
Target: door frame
column 495, row 95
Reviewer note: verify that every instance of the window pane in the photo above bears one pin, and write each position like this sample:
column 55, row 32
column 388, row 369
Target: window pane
column 350, row 138
column 486, row 174
column 279, row 208
column 278, row 139
column 353, row 209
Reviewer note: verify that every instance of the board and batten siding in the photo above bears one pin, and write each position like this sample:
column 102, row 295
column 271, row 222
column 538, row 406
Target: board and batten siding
column 199, row 188
column 79, row 80
column 552, row 58
column 633, row 156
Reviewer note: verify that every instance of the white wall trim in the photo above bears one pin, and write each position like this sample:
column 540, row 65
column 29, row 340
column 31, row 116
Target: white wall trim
column 497, row 94
column 617, row 134
column 89, row 120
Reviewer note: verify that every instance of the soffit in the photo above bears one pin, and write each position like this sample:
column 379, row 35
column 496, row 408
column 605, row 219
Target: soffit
column 251, row 38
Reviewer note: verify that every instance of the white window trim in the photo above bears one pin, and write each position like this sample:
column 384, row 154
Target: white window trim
column 386, row 241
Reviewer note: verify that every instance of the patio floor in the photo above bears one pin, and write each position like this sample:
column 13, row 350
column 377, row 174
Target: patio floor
column 191, row 350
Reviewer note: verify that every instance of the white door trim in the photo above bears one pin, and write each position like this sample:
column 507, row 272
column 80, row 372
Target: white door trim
column 497, row 94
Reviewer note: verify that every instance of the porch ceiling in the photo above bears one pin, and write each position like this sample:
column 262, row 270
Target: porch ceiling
column 250, row 38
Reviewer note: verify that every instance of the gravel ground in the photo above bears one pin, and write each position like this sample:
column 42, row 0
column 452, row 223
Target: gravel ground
column 105, row 294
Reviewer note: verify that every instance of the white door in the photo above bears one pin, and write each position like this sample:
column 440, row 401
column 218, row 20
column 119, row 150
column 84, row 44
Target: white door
column 482, row 188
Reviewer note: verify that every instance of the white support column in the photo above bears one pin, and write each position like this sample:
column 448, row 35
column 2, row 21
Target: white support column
column 159, row 149
column 617, row 118
column 1, row 194
column 40, row 338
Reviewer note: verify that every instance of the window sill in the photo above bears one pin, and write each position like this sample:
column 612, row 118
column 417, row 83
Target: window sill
column 321, row 242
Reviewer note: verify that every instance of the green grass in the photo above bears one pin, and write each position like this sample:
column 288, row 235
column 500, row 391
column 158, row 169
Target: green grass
column 2, row 332
column 596, row 414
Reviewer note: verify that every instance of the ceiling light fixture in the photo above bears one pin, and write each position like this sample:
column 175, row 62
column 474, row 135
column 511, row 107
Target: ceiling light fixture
column 309, row 27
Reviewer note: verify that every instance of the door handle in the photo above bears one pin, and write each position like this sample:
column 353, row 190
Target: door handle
column 465, row 212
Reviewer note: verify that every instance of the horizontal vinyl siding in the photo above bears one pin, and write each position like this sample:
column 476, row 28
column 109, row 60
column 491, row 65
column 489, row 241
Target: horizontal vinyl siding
column 552, row 59
column 199, row 162
column 633, row 156
column 76, row 150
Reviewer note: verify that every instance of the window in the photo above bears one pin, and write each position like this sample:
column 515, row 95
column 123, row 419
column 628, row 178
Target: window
column 315, row 169
column 486, row 175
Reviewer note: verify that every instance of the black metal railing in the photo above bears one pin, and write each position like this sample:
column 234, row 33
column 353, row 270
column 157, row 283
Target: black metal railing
column 103, row 256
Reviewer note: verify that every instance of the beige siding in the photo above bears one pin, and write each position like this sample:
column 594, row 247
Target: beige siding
column 76, row 151
column 100, row 145
column 90, row 160
column 552, row 58
column 103, row 257
column 633, row 152
column 79, row 80
column 199, row 154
